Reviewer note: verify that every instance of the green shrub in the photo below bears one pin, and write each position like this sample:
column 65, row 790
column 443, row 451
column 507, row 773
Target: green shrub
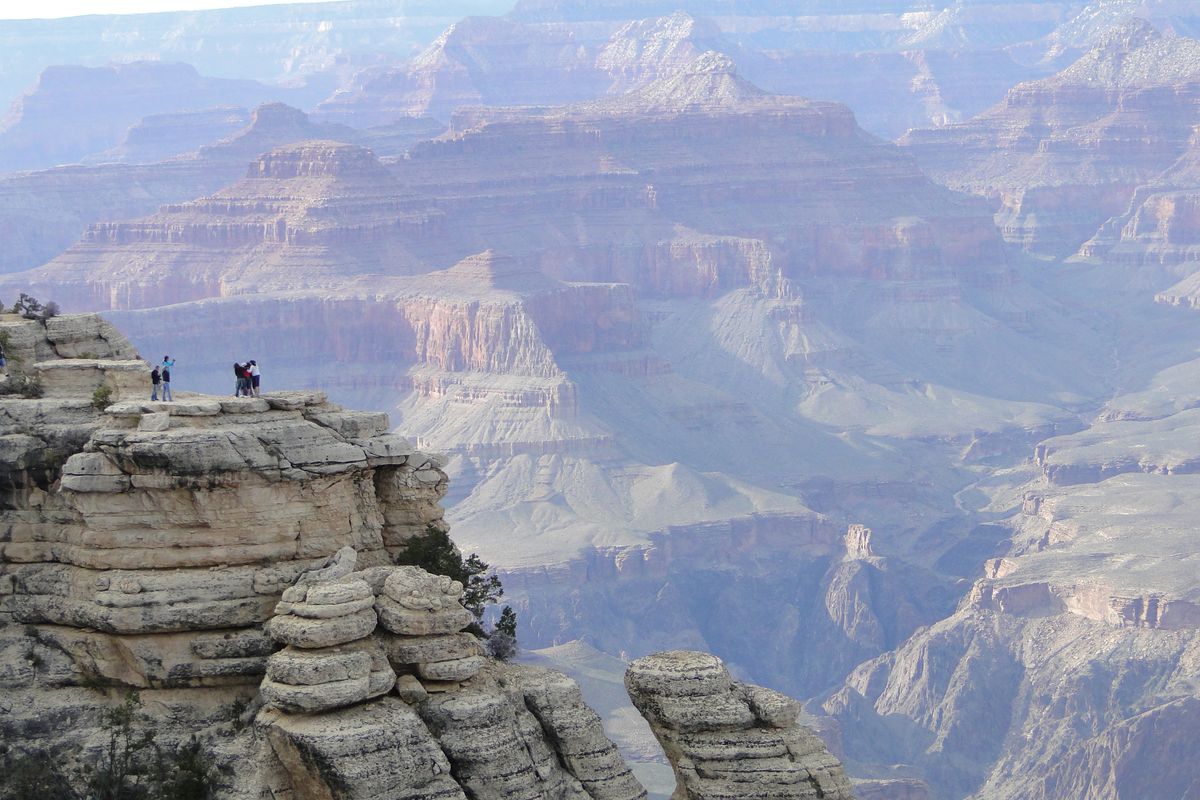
column 102, row 397
column 29, row 387
column 434, row 552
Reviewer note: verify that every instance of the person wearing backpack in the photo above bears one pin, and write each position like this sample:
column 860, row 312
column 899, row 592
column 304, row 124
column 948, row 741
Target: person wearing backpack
column 165, row 374
column 155, row 380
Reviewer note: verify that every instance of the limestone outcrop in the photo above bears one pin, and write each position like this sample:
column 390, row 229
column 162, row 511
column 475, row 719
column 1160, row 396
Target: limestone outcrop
column 729, row 740
column 233, row 559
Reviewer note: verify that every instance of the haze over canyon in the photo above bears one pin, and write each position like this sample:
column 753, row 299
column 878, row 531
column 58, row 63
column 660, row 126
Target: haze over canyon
column 854, row 343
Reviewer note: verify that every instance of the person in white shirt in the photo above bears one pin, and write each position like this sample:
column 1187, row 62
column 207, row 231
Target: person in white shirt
column 254, row 377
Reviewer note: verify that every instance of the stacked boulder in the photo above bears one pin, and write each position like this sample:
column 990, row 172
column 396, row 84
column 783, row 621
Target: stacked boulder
column 348, row 633
column 424, row 633
column 330, row 659
column 729, row 740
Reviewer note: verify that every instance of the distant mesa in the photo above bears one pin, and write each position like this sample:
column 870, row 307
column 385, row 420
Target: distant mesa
column 317, row 159
column 488, row 271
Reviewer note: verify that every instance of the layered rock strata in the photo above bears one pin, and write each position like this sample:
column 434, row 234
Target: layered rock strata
column 1063, row 154
column 726, row 739
column 173, row 547
column 133, row 545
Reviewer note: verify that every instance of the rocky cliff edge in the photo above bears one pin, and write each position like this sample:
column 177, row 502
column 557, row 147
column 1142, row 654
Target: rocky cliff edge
column 233, row 560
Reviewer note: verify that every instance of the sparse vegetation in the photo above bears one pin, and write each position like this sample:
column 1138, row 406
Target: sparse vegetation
column 434, row 552
column 102, row 397
column 131, row 766
column 30, row 307
column 502, row 641
column 237, row 713
column 28, row 387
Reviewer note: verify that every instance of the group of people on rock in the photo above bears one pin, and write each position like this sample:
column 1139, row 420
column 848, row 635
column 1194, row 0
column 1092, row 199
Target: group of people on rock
column 160, row 378
column 247, row 378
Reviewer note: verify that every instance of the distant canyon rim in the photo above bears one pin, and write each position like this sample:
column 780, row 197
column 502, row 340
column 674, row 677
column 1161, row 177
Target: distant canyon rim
column 852, row 343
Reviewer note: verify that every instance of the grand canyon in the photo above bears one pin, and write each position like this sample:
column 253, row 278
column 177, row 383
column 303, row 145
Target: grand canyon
column 843, row 352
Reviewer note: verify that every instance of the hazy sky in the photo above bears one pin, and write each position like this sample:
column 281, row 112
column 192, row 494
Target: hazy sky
column 25, row 9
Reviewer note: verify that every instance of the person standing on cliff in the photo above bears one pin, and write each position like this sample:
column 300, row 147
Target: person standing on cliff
column 241, row 371
column 155, row 380
column 254, row 377
column 168, row 362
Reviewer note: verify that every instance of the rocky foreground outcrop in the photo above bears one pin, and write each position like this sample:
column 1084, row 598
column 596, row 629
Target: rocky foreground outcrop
column 728, row 739
column 233, row 559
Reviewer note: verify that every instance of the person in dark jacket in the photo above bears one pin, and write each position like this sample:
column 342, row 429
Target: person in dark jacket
column 155, row 380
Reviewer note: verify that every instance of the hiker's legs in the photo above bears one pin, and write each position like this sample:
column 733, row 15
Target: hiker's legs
column 167, row 396
column 154, row 391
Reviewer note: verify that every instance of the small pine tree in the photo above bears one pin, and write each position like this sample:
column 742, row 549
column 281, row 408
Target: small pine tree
column 119, row 773
column 507, row 624
column 502, row 641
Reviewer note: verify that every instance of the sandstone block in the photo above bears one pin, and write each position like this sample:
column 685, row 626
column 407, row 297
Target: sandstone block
column 310, row 633
column 408, row 622
column 159, row 421
column 386, row 449
column 294, row 401
column 96, row 483
column 369, row 752
column 90, row 464
column 326, row 610
column 729, row 740
column 314, row 699
column 244, row 405
column 352, row 424
column 459, row 669
column 299, row 667
column 418, row 649
column 416, row 589
column 410, row 689
column 190, row 408
column 774, row 708
column 339, row 565
column 374, row 577
column 678, row 673
column 344, row 591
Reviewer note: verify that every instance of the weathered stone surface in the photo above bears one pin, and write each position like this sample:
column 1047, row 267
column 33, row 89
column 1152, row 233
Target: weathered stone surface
column 576, row 730
column 408, row 622
column 326, row 610
column 500, row 749
column 410, row 689
column 729, row 740
column 310, row 667
column 380, row 751
column 311, row 699
column 458, row 669
column 310, row 633
column 438, row 647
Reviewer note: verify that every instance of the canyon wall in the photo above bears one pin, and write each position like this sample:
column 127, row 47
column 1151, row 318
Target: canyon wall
column 172, row 547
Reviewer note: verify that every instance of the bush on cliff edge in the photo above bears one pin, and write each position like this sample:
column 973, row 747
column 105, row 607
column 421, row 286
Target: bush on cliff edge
column 434, row 552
